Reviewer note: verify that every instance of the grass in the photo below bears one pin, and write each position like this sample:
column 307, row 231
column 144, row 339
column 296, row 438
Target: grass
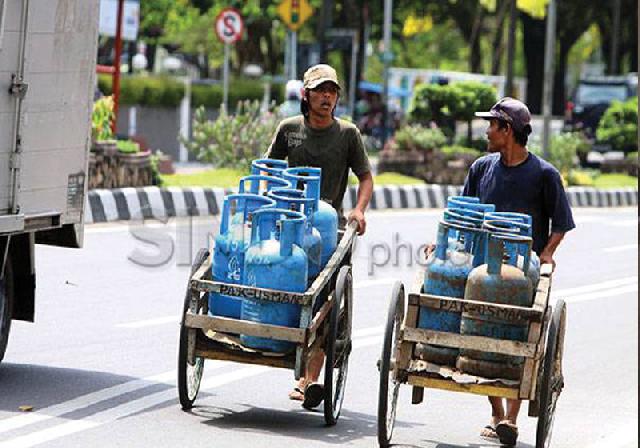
column 228, row 178
column 390, row 179
column 615, row 180
column 216, row 177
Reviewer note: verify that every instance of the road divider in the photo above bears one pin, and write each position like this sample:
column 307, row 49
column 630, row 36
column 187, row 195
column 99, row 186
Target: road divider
column 124, row 204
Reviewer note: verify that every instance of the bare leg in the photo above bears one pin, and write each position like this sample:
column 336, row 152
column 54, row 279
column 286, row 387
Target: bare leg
column 507, row 430
column 513, row 408
column 313, row 370
column 497, row 415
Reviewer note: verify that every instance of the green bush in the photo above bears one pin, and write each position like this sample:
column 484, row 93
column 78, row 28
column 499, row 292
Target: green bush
column 127, row 146
column 101, row 119
column 430, row 103
column 444, row 104
column 232, row 140
column 619, row 125
column 479, row 144
column 632, row 156
column 563, row 151
column 162, row 91
column 419, row 138
column 455, row 151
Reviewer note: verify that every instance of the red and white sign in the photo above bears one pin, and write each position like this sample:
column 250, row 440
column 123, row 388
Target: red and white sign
column 229, row 25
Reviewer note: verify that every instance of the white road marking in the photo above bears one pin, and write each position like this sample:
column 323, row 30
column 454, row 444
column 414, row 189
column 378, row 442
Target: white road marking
column 150, row 322
column 625, row 223
column 600, row 294
column 606, row 285
column 110, row 415
column 92, row 398
column 622, row 248
column 123, row 410
column 84, row 401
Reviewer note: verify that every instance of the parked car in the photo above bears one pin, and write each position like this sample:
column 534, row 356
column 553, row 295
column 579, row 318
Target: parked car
column 592, row 96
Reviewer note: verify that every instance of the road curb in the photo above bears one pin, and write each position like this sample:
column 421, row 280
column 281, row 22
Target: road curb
column 126, row 204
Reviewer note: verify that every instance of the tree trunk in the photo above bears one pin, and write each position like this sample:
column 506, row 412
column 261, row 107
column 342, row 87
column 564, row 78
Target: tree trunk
column 559, row 94
column 533, row 45
column 498, row 41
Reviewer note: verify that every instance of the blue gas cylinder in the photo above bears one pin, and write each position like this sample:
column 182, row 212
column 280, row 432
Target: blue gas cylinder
column 453, row 200
column 496, row 282
column 259, row 184
column 325, row 218
column 466, row 218
column 469, row 202
column 446, row 275
column 512, row 223
column 274, row 260
column 296, row 200
column 534, row 268
column 269, row 167
column 230, row 245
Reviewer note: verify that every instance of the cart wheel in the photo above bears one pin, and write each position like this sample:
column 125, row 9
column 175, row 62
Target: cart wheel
column 389, row 385
column 338, row 347
column 191, row 367
column 552, row 381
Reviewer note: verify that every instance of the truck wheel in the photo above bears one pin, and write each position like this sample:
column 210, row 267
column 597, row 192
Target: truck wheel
column 6, row 304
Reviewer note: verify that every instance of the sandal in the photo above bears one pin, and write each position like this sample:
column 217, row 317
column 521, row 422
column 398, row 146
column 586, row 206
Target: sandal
column 313, row 396
column 507, row 433
column 489, row 432
column 296, row 394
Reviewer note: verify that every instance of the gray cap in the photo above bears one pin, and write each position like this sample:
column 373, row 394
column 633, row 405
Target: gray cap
column 514, row 112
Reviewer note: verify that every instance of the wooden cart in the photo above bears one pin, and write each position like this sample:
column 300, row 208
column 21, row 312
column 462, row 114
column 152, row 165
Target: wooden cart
column 541, row 379
column 206, row 337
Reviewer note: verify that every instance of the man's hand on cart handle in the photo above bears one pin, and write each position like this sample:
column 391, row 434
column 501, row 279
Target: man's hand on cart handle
column 547, row 259
column 358, row 216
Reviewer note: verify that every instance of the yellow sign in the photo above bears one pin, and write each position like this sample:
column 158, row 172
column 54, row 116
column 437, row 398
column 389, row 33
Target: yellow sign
column 295, row 13
column 415, row 25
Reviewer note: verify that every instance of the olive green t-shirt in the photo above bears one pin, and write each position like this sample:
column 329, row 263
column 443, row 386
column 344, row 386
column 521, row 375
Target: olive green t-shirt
column 335, row 149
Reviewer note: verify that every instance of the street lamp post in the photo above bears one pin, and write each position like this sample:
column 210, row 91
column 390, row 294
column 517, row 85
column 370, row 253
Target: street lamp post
column 387, row 55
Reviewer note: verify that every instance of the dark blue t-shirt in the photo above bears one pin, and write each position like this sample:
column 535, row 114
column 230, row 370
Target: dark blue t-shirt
column 533, row 187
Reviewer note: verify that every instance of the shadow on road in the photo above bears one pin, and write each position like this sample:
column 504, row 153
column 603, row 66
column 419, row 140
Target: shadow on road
column 298, row 423
column 41, row 387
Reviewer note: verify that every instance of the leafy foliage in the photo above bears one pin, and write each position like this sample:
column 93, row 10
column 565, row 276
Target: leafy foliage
column 418, row 137
column 101, row 119
column 163, row 91
column 469, row 97
column 619, row 125
column 127, row 146
column 232, row 141
column 455, row 151
column 563, row 151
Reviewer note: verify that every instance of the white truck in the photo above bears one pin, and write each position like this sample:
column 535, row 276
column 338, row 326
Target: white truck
column 47, row 79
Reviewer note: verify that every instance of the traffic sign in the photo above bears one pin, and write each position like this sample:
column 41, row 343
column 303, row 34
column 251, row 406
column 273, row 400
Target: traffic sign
column 229, row 25
column 295, row 13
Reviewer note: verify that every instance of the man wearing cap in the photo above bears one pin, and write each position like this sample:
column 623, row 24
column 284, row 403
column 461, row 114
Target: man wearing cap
column 513, row 179
column 316, row 138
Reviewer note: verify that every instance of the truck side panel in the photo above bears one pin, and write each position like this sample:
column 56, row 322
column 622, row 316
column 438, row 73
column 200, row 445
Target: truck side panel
column 60, row 70
column 54, row 126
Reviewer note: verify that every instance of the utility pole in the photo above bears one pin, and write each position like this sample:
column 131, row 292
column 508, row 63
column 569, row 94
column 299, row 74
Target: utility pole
column 116, row 66
column 387, row 56
column 547, row 93
column 511, row 47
